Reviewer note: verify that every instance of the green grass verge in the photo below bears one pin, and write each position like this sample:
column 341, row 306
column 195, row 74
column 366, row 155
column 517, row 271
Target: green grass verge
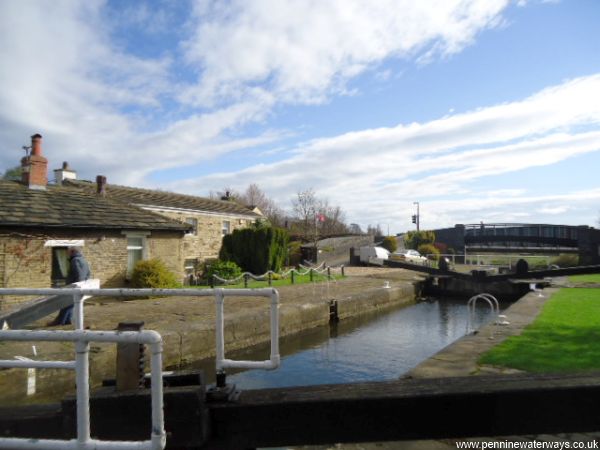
column 589, row 278
column 564, row 337
column 298, row 279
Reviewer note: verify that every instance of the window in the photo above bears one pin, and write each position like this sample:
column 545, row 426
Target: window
column 194, row 223
column 60, row 266
column 190, row 266
column 226, row 228
column 135, row 252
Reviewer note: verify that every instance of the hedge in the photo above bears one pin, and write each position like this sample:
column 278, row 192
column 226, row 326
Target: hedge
column 256, row 250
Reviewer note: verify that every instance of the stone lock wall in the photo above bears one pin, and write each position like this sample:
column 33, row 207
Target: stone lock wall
column 26, row 262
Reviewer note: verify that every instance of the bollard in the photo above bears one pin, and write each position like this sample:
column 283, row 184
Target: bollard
column 311, row 275
column 292, row 272
column 270, row 279
column 245, row 280
column 328, row 273
column 130, row 360
column 343, row 274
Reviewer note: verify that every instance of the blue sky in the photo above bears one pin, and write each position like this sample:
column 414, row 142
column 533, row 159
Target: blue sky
column 480, row 110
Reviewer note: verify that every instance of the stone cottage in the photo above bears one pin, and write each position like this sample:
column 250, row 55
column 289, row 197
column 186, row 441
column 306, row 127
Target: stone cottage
column 209, row 220
column 115, row 225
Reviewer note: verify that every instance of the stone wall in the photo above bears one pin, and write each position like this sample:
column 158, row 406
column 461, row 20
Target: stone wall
column 206, row 242
column 26, row 262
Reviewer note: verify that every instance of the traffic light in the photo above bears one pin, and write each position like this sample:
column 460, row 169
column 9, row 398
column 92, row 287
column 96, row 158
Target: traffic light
column 414, row 218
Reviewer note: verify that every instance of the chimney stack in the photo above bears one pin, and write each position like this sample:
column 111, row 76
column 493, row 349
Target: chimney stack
column 35, row 166
column 65, row 173
column 101, row 185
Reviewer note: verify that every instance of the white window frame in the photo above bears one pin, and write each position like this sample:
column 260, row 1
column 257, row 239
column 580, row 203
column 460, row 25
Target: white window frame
column 64, row 243
column 225, row 230
column 194, row 231
column 135, row 234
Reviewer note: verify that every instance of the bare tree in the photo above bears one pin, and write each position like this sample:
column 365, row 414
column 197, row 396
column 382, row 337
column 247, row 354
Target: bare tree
column 315, row 217
column 254, row 196
column 333, row 220
column 355, row 228
column 305, row 207
column 374, row 231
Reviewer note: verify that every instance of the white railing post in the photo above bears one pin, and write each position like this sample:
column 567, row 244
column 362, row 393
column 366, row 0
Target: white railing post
column 78, row 311
column 158, row 437
column 220, row 329
column 82, row 377
column 275, row 358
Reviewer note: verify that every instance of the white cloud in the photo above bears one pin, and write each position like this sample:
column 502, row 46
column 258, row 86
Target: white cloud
column 63, row 77
column 98, row 106
column 370, row 171
column 302, row 51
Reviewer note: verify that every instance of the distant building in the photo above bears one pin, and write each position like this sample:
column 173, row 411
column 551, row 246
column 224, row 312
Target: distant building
column 523, row 237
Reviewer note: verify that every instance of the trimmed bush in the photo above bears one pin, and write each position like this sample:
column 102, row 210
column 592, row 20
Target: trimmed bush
column 429, row 250
column 390, row 244
column 566, row 260
column 414, row 239
column 152, row 273
column 256, row 250
column 227, row 270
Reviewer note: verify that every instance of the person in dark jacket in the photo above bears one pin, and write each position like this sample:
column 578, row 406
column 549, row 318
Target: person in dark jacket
column 79, row 270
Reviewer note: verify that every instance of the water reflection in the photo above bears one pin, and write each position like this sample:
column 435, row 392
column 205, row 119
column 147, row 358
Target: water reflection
column 376, row 348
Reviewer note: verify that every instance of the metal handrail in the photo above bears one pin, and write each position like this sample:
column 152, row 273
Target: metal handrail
column 82, row 338
column 81, row 365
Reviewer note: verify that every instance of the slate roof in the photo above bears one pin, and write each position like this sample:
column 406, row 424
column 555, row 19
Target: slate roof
column 163, row 199
column 65, row 207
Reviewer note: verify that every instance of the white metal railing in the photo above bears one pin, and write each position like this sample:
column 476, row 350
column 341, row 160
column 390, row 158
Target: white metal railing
column 82, row 338
column 274, row 361
column 81, row 365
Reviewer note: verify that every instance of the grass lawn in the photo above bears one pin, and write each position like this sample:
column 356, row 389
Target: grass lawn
column 298, row 279
column 589, row 278
column 564, row 337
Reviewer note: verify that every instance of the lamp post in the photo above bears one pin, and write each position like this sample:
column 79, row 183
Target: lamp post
column 418, row 218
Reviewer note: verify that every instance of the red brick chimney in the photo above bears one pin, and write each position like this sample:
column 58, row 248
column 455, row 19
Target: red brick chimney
column 35, row 166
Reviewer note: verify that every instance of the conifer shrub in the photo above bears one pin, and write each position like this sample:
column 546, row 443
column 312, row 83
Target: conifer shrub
column 390, row 244
column 152, row 273
column 256, row 249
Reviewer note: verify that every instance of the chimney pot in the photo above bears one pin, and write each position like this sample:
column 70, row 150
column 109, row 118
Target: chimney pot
column 36, row 144
column 101, row 185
